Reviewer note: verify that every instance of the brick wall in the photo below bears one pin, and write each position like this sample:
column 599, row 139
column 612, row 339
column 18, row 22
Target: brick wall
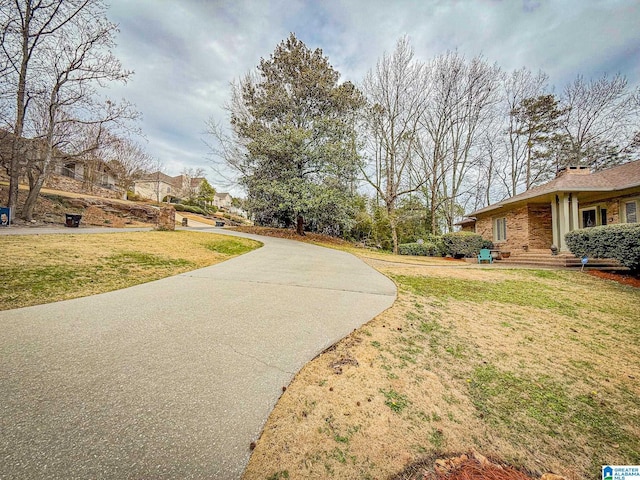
column 484, row 227
column 527, row 227
column 517, row 230
column 540, row 226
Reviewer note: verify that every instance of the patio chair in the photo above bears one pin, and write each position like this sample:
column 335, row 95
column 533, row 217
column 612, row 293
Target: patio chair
column 485, row 255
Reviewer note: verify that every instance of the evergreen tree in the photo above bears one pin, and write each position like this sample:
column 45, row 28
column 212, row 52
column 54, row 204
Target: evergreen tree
column 295, row 125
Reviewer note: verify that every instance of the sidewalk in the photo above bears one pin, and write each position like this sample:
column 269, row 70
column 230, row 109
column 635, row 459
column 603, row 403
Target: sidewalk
column 173, row 378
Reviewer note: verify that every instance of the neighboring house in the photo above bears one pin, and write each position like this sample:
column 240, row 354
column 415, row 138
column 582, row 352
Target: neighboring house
column 70, row 173
column 157, row 186
column 222, row 200
column 543, row 215
column 93, row 177
column 96, row 172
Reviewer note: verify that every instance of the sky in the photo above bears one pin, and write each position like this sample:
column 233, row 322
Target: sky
column 186, row 53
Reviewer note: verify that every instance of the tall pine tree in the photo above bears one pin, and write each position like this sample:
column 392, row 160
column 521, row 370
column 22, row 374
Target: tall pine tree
column 295, row 124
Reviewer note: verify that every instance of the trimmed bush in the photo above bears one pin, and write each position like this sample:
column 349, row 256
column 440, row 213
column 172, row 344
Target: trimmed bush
column 621, row 242
column 189, row 208
column 462, row 244
column 488, row 244
column 426, row 249
column 134, row 197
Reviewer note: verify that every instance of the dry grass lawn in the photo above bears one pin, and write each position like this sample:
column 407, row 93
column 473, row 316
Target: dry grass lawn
column 40, row 269
column 538, row 368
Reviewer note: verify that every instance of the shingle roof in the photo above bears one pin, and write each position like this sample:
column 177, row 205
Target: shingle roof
column 158, row 176
column 609, row 180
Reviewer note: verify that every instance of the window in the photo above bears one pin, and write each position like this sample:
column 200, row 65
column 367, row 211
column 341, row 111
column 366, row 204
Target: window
column 593, row 216
column 631, row 211
column 500, row 229
column 69, row 170
column 589, row 218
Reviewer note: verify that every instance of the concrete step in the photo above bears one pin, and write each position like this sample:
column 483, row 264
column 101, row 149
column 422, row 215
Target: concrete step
column 561, row 261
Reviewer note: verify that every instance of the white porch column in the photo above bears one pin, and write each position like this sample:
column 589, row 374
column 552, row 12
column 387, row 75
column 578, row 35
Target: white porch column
column 555, row 222
column 564, row 221
column 575, row 220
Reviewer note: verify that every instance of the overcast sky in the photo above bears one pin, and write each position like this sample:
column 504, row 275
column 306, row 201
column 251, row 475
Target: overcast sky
column 185, row 53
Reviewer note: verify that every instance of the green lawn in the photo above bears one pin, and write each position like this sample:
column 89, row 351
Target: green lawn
column 40, row 269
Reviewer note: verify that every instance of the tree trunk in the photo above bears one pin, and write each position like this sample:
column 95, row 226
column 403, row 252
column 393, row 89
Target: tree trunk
column 35, row 185
column 14, row 178
column 391, row 213
column 300, row 225
column 21, row 107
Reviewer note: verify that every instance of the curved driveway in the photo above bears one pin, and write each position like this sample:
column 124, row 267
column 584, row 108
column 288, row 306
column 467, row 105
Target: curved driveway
column 173, row 378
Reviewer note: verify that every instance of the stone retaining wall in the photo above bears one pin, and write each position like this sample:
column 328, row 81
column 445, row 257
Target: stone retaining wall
column 66, row 184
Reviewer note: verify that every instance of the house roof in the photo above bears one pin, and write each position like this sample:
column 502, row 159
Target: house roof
column 157, row 176
column 177, row 181
column 612, row 179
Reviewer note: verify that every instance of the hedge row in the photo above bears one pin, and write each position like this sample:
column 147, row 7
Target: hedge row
column 189, row 208
column 621, row 242
column 426, row 249
column 456, row 244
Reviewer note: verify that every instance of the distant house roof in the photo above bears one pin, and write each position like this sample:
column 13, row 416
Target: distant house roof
column 576, row 179
column 178, row 181
column 223, row 195
column 158, row 176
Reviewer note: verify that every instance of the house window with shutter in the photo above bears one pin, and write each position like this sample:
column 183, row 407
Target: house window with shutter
column 630, row 209
column 500, row 229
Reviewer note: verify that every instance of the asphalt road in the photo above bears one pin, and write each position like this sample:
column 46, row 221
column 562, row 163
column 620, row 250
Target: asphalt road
column 173, row 378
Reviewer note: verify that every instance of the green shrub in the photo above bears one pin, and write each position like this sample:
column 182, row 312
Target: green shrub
column 189, row 208
column 488, row 244
column 462, row 244
column 621, row 242
column 426, row 249
column 134, row 197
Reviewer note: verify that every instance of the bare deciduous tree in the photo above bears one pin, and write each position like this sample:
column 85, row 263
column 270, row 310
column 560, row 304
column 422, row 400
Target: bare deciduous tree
column 459, row 113
column 59, row 54
column 27, row 29
column 127, row 159
column 602, row 118
column 511, row 147
column 190, row 184
column 396, row 95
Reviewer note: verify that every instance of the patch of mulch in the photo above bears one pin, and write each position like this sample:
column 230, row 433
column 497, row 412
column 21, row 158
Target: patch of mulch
column 469, row 466
column 617, row 277
column 291, row 234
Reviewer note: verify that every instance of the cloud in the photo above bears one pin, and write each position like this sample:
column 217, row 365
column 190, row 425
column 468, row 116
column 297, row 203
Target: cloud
column 185, row 54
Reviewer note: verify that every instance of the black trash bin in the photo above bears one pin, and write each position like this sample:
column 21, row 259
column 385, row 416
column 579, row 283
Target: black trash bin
column 73, row 220
column 185, row 222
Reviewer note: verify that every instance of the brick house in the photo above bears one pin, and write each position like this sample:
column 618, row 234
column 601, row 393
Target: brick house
column 158, row 186
column 576, row 198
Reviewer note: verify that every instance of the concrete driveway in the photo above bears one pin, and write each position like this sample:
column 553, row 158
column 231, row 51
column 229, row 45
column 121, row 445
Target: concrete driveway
column 173, row 378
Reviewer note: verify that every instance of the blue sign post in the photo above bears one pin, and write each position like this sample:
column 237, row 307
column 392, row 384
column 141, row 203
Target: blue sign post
column 5, row 216
column 584, row 261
